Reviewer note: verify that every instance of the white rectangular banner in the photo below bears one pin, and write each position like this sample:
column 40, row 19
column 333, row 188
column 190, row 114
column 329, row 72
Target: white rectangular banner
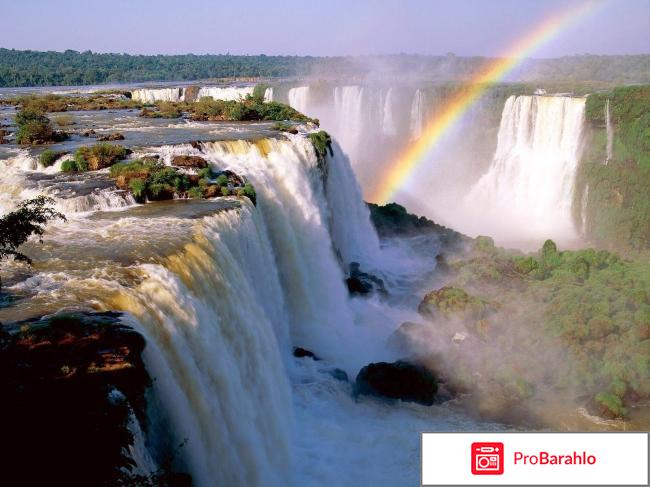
column 534, row 459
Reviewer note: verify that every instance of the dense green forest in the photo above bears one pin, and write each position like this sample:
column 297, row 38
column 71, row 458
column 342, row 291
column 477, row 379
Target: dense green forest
column 617, row 199
column 35, row 68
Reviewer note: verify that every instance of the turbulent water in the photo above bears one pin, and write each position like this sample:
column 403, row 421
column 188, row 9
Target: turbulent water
column 530, row 182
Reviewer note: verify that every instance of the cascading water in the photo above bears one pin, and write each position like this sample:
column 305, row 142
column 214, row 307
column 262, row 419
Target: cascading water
column 528, row 190
column 215, row 322
column 268, row 94
column 225, row 92
column 417, row 115
column 348, row 105
column 388, row 120
column 150, row 95
column 610, row 133
column 299, row 98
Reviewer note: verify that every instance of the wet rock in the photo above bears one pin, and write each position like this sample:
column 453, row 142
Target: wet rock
column 411, row 338
column 89, row 133
column 111, row 137
column 340, row 374
column 194, row 162
column 196, row 145
column 303, row 353
column 398, row 380
column 361, row 282
column 69, row 383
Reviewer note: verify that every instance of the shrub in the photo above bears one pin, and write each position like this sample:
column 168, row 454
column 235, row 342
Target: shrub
column 322, row 143
column 33, row 127
column 138, row 187
column 222, row 180
column 225, row 191
column 99, row 156
column 64, row 120
column 249, row 191
column 195, row 192
column 69, row 165
column 48, row 157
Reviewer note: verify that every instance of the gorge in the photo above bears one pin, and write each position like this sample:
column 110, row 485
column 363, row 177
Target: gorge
column 223, row 289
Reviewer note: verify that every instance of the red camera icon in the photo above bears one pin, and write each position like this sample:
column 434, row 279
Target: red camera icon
column 487, row 458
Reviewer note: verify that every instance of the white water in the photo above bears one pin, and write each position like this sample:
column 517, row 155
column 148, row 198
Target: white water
column 147, row 95
column 299, row 98
column 610, row 133
column 388, row 121
column 348, row 106
column 268, row 94
column 225, row 92
column 583, row 211
column 417, row 115
column 527, row 192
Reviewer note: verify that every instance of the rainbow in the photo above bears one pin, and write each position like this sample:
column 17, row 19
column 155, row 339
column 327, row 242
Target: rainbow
column 494, row 71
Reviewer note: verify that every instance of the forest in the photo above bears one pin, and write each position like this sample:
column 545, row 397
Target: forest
column 37, row 68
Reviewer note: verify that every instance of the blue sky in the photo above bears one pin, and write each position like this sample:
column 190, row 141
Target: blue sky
column 316, row 27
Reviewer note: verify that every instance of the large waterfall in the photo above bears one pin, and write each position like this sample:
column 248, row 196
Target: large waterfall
column 298, row 98
column 417, row 115
column 528, row 190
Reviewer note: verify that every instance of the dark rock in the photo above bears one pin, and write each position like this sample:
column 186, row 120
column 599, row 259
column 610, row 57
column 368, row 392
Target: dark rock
column 194, row 162
column 196, row 145
column 89, row 133
column 361, row 282
column 68, row 385
column 110, row 137
column 340, row 374
column 302, row 353
column 397, row 380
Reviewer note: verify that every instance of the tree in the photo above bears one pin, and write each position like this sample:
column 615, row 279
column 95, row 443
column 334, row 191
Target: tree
column 28, row 219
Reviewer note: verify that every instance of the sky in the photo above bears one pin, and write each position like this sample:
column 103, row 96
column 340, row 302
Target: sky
column 315, row 27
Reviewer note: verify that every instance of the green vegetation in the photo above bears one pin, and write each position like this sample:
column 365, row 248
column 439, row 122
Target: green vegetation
column 33, row 127
column 250, row 108
column 62, row 103
column 29, row 218
column 322, row 142
column 48, row 157
column 165, row 110
column 589, row 307
column 618, row 201
column 151, row 180
column 99, row 156
column 33, row 68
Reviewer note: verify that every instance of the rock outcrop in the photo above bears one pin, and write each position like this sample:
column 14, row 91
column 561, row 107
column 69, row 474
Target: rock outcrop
column 362, row 283
column 193, row 162
column 398, row 380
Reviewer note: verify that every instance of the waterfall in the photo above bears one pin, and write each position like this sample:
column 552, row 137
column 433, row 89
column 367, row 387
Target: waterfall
column 348, row 105
column 214, row 318
column 298, row 98
column 610, row 133
column 268, row 94
column 225, row 92
column 388, row 122
column 528, row 189
column 583, row 210
column 150, row 95
column 417, row 115
column 352, row 231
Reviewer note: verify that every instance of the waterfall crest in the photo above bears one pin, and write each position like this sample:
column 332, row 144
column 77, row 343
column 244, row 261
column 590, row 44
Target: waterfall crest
column 528, row 188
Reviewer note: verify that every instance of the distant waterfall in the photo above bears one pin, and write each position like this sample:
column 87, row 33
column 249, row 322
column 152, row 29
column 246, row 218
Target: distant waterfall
column 583, row 210
column 152, row 95
column 298, row 98
column 268, row 94
column 388, row 121
column 610, row 133
column 225, row 92
column 417, row 115
column 528, row 189
column 348, row 105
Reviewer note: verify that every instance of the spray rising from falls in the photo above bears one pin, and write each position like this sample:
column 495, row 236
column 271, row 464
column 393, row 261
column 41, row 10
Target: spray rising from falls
column 528, row 189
